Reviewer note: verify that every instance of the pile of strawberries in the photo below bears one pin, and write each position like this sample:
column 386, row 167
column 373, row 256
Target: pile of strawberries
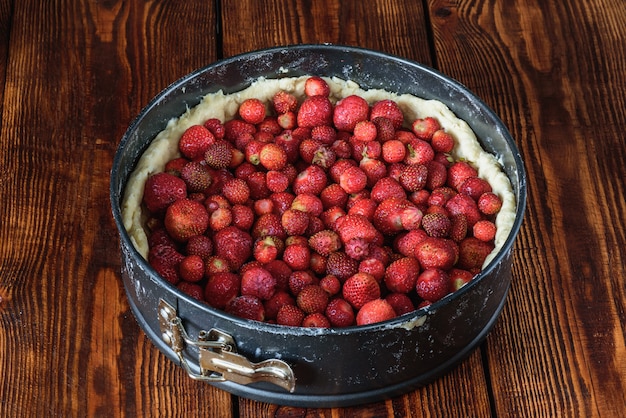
column 309, row 213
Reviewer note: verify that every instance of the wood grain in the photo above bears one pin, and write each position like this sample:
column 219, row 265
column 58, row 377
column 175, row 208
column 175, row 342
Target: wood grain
column 74, row 74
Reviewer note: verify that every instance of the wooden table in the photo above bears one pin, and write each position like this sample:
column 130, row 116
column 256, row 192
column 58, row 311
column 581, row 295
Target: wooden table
column 76, row 72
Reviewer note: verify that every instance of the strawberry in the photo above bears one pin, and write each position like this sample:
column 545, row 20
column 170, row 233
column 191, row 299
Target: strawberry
column 215, row 264
column 385, row 129
column 218, row 155
column 191, row 268
column 243, row 217
column 314, row 111
column 200, row 245
column 458, row 229
column 165, row 260
column 235, row 128
column 234, row 245
column 484, row 230
column 316, row 86
column 299, row 279
column 340, row 313
column 268, row 224
column 236, row 191
column 257, row 184
column 295, row 222
column 317, row 263
column 442, row 141
column 276, row 181
column 290, row 315
column 263, row 206
column 284, row 102
column 440, row 196
column 316, row 320
column 287, row 120
column 324, row 156
column 252, row 151
column 297, row 256
column 458, row 172
column 273, row 304
column 216, row 127
column 389, row 110
column 221, row 289
column 273, row 156
column 349, row 111
column 333, row 195
column 309, row 203
column 310, row 180
column 374, row 169
column 185, row 218
column 265, row 250
column 436, row 225
column 270, row 125
column 459, row 278
column 401, row 275
column 372, row 266
column 475, row 187
column 419, row 152
column 330, row 284
column 339, row 264
column 489, row 203
column 411, row 217
column 350, row 227
column 192, row 289
column 434, row 252
column 386, row 188
column 365, row 131
column 404, row 136
column 425, row 128
column 252, row 111
column 259, row 282
column 353, row 179
column 393, row 151
column 324, row 134
column 161, row 190
column 406, row 242
column 195, row 141
column 175, row 166
column 247, row 307
column 312, row 299
column 342, row 148
column 432, row 284
column 464, row 204
column 400, row 303
column 281, row 272
column 437, row 175
column 374, row 311
column 196, row 176
column 413, row 177
column 388, row 217
column 325, row 242
column 357, row 248
column 360, row 288
column 365, row 207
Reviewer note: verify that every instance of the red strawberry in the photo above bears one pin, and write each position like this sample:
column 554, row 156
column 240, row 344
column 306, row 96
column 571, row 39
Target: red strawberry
column 386, row 188
column 236, row 191
column 436, row 253
column 310, row 180
column 192, row 289
column 316, row 86
column 390, row 110
column 489, row 203
column 268, row 224
column 316, row 320
column 355, row 226
column 165, row 260
column 432, row 284
column 276, row 181
column 333, row 195
column 281, row 272
column 393, row 151
column 299, row 279
column 374, row 169
column 195, row 141
column 353, row 179
column 273, row 156
column 325, row 134
column 440, row 196
column 287, row 120
column 265, row 249
column 295, row 222
column 374, row 311
column 340, row 313
column 389, row 215
column 247, row 307
column 243, row 217
column 200, row 245
column 314, row 111
column 406, row 242
column 436, row 225
column 442, row 141
column 252, row 111
column 297, row 256
column 401, row 275
column 273, row 304
column 258, row 185
column 290, row 315
column 234, row 245
column 475, row 187
column 413, row 177
column 324, row 157
column 357, row 248
column 365, row 207
column 360, row 288
column 419, row 152
column 339, row 264
column 472, row 253
column 196, row 176
column 484, row 230
column 349, row 111
column 385, row 128
column 192, row 268
column 175, row 166
column 185, row 218
column 459, row 278
column 437, row 175
column 219, row 154
column 458, row 172
column 400, row 303
column 463, row 204
column 284, row 102
column 161, row 190
column 309, row 203
column 215, row 264
column 325, row 242
column 221, row 289
column 425, row 128
column 216, row 127
column 312, row 299
column 330, row 284
column 365, row 131
column 458, row 230
column 259, row 282
column 373, row 266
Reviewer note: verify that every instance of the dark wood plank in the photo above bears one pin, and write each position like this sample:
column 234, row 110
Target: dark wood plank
column 78, row 73
column 554, row 73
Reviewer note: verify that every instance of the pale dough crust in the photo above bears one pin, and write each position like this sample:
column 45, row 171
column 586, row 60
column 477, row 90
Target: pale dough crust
column 224, row 107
